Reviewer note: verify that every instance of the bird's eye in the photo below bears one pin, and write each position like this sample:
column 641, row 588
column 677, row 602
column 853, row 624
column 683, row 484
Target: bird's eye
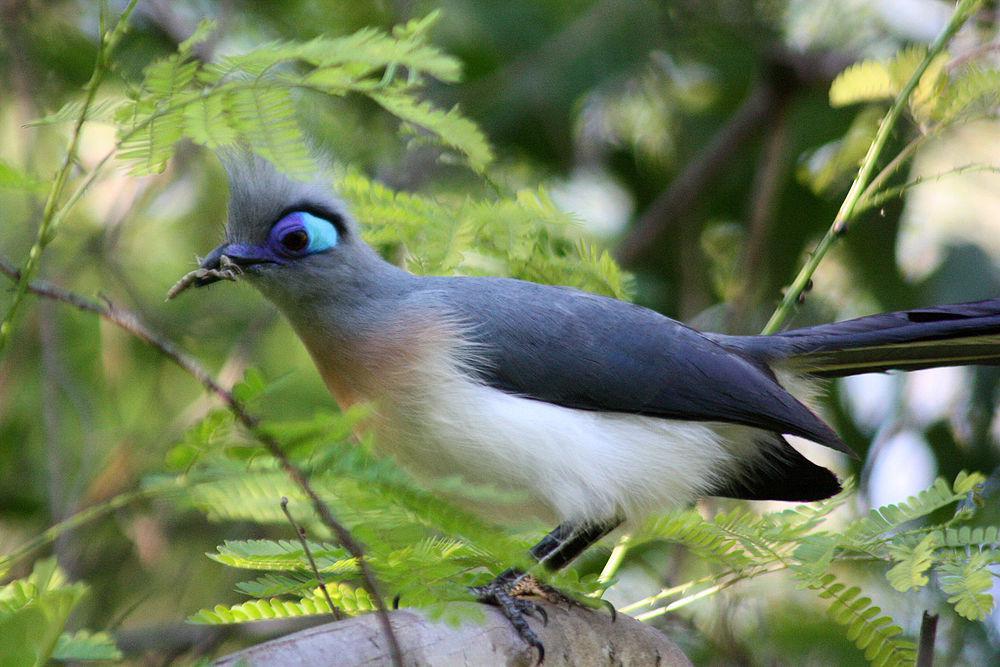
column 296, row 240
column 299, row 234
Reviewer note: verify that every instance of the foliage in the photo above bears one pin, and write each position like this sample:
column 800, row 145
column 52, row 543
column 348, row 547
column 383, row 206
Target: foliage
column 33, row 616
column 741, row 545
column 421, row 538
column 524, row 236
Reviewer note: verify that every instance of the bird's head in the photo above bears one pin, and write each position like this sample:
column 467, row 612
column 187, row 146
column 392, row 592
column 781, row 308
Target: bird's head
column 293, row 240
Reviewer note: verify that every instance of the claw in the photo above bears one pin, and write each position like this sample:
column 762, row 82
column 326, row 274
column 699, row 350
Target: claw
column 611, row 610
column 544, row 614
column 502, row 593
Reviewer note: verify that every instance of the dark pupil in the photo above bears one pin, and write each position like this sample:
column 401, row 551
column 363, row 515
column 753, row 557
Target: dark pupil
column 296, row 240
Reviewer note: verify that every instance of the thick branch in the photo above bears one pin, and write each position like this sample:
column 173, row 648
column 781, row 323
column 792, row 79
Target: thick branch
column 573, row 636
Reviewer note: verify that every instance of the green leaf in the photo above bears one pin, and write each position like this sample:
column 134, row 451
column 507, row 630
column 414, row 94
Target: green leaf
column 283, row 555
column 967, row 536
column 207, row 122
column 890, row 517
column 872, row 81
column 871, row 631
column 265, row 117
column 12, row 178
column 831, row 167
column 967, row 482
column 33, row 613
column 272, row 585
column 83, row 645
column 865, row 81
column 912, row 564
column 103, row 110
column 252, row 386
column 346, row 598
column 451, row 128
column 200, row 35
column 968, row 585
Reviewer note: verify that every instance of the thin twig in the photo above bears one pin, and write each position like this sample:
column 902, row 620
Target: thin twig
column 847, row 211
column 925, row 645
column 301, row 532
column 130, row 322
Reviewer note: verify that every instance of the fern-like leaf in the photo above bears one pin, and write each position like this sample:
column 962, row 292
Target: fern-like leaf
column 283, row 555
column 273, row 585
column 265, row 117
column 967, row 536
column 867, row 81
column 967, row 584
column 890, row 517
column 912, row 564
column 451, row 127
column 346, row 598
column 702, row 537
column 871, row 631
column 84, row 646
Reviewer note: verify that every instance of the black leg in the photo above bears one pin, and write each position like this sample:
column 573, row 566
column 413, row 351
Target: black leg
column 558, row 549
column 555, row 551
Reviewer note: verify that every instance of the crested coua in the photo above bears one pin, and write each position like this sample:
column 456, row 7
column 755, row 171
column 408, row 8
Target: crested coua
column 598, row 410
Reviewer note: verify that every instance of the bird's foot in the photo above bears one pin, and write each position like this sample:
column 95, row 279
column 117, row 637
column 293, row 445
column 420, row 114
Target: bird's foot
column 507, row 592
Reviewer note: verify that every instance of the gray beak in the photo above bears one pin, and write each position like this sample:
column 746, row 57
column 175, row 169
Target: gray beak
column 230, row 255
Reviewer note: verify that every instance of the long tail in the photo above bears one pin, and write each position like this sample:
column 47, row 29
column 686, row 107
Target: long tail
column 954, row 335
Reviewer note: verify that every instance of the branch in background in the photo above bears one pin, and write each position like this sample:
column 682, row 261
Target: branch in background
column 129, row 322
column 925, row 645
column 763, row 200
column 677, row 201
column 855, row 195
column 784, row 73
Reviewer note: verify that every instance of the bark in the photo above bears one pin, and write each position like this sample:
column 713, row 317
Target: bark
column 573, row 636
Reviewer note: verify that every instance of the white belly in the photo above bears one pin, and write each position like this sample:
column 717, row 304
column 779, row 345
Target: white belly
column 574, row 464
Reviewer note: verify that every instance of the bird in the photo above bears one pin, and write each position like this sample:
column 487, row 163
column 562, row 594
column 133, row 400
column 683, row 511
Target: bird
column 598, row 410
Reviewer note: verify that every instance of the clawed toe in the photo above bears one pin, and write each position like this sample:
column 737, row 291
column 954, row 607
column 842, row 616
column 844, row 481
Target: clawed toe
column 501, row 593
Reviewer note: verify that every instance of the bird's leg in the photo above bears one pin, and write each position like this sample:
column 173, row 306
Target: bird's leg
column 556, row 550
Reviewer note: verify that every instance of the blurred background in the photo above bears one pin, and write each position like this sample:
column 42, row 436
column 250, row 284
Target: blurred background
column 695, row 139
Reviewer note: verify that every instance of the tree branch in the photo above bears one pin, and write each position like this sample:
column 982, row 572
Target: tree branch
column 573, row 636
column 784, row 72
column 130, row 322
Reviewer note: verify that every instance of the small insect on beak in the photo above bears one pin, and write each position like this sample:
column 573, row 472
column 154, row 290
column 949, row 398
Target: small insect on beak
column 226, row 262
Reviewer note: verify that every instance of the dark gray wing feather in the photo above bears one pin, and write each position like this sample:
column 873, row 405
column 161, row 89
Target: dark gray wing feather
column 580, row 350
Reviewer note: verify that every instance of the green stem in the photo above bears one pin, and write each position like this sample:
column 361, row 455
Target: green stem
column 79, row 519
column 50, row 214
column 665, row 593
column 886, row 195
column 615, row 559
column 703, row 593
column 847, row 211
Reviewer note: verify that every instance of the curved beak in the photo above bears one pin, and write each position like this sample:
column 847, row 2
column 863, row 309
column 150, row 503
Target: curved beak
column 229, row 255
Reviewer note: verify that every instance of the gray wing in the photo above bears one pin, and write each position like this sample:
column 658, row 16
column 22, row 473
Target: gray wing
column 580, row 350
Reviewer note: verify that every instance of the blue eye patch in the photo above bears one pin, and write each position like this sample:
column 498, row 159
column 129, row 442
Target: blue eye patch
column 322, row 234
column 301, row 233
